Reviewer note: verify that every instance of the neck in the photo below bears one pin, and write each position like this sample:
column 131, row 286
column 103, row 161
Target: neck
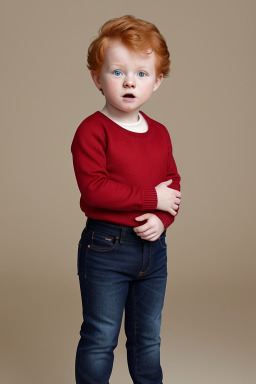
column 121, row 116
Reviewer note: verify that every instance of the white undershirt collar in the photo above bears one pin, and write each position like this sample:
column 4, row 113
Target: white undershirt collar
column 139, row 126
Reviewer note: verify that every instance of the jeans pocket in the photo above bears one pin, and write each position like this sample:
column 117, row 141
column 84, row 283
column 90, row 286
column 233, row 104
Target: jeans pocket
column 102, row 241
column 162, row 241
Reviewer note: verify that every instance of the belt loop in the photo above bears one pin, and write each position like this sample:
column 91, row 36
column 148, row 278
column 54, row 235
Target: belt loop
column 122, row 237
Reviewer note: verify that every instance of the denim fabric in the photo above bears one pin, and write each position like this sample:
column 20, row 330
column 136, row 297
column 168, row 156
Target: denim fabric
column 120, row 271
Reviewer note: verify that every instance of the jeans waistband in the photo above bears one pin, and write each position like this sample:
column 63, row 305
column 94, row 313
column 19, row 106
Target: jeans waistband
column 120, row 231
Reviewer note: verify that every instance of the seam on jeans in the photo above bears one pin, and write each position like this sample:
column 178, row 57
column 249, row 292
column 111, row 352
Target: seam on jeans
column 78, row 257
column 159, row 240
column 79, row 365
column 150, row 259
column 134, row 325
column 86, row 285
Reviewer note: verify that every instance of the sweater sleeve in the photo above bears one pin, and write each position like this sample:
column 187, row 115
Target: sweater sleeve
column 172, row 173
column 97, row 189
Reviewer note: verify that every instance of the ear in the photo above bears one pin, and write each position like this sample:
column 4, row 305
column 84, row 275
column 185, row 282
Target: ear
column 158, row 81
column 96, row 79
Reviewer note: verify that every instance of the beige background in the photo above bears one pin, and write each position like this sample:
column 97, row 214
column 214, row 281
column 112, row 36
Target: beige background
column 208, row 105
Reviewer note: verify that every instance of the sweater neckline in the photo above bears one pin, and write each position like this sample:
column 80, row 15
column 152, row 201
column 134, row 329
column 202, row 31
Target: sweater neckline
column 126, row 131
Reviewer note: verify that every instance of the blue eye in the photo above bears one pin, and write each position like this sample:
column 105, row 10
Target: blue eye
column 117, row 73
column 142, row 74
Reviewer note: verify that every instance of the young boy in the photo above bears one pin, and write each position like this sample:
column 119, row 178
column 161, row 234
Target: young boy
column 130, row 193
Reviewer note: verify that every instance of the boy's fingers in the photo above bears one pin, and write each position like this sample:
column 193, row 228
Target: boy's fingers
column 172, row 212
column 142, row 228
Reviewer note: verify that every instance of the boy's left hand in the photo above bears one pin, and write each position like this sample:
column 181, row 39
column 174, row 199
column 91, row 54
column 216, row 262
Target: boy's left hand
column 152, row 229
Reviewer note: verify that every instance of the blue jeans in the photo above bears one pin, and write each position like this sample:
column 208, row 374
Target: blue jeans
column 118, row 270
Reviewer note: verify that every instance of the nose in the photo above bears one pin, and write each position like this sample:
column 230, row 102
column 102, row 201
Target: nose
column 129, row 82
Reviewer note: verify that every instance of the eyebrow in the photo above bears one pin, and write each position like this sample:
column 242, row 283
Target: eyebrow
column 123, row 65
column 117, row 65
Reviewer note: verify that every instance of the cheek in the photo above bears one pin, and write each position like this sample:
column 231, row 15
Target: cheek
column 148, row 90
column 111, row 87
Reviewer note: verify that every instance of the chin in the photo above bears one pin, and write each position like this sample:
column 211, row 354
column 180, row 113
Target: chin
column 128, row 109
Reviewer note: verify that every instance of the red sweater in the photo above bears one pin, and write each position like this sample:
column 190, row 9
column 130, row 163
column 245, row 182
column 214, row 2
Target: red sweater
column 117, row 170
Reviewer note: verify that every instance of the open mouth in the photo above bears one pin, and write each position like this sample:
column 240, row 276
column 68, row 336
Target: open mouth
column 129, row 95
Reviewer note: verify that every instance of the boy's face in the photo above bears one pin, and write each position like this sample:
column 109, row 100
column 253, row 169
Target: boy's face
column 125, row 73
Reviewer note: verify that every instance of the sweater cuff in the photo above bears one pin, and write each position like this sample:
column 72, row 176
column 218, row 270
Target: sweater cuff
column 150, row 199
column 166, row 218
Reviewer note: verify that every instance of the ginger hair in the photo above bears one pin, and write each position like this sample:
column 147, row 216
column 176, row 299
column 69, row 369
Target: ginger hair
column 138, row 35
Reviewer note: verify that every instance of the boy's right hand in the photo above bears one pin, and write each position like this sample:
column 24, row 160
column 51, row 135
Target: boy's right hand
column 168, row 198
